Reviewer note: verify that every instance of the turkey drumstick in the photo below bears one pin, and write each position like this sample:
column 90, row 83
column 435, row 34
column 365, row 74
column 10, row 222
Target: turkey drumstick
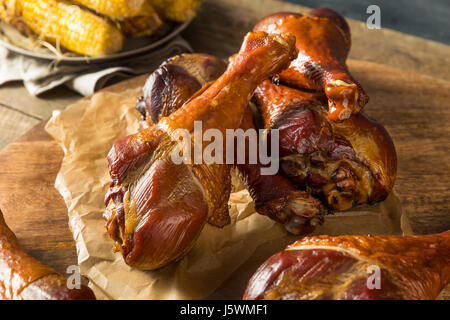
column 345, row 164
column 174, row 83
column 356, row 267
column 157, row 208
column 323, row 42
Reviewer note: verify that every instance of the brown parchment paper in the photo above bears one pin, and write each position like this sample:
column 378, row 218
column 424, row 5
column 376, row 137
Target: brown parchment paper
column 221, row 261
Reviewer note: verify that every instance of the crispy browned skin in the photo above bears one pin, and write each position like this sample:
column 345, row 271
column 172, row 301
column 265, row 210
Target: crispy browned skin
column 23, row 277
column 157, row 208
column 345, row 164
column 179, row 79
column 175, row 82
column 323, row 42
column 338, row 268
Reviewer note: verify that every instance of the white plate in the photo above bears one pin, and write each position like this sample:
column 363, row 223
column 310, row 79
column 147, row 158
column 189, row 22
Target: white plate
column 132, row 46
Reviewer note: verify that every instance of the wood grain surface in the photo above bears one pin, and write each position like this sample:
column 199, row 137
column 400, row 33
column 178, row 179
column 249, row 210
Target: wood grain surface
column 414, row 108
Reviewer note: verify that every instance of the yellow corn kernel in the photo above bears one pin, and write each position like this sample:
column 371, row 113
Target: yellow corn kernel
column 115, row 9
column 177, row 10
column 144, row 24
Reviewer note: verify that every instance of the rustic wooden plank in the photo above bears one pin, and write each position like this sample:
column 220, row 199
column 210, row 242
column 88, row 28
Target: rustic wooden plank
column 39, row 216
column 15, row 96
column 12, row 124
column 415, row 109
column 19, row 111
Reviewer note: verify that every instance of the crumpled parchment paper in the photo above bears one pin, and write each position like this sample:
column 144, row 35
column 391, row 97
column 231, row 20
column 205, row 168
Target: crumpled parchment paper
column 222, row 260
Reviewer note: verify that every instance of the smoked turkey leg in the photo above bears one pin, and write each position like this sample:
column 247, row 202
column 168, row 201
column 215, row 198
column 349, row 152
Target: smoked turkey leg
column 156, row 208
column 323, row 41
column 356, row 267
column 24, row 278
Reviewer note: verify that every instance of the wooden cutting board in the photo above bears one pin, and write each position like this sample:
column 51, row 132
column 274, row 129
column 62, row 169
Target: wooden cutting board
column 414, row 108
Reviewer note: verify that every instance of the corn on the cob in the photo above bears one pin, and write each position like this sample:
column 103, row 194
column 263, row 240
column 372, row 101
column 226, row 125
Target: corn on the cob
column 145, row 24
column 8, row 15
column 115, row 9
column 7, row 10
column 177, row 10
column 74, row 28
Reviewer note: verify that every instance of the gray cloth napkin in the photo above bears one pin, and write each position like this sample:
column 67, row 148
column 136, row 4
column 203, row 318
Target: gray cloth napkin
column 40, row 76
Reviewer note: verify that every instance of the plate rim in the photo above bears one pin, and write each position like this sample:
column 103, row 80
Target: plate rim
column 84, row 59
